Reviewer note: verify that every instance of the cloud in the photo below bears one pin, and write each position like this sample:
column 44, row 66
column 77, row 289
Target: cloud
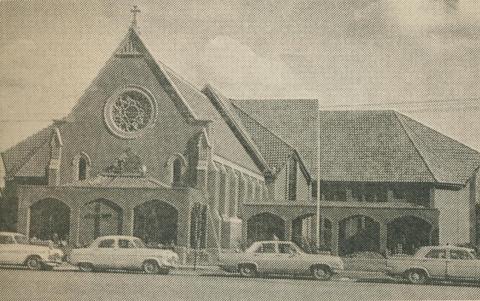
column 240, row 72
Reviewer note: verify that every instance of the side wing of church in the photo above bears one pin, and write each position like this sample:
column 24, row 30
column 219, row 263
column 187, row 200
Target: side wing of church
column 145, row 153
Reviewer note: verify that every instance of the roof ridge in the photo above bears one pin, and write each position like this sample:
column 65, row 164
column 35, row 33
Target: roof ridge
column 404, row 127
column 263, row 126
column 182, row 78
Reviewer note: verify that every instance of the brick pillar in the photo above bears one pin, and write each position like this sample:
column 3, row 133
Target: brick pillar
column 23, row 219
column 288, row 229
column 127, row 221
column 233, row 204
column 383, row 236
column 74, row 233
column 335, row 230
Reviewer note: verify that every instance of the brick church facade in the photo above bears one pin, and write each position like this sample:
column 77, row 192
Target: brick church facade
column 145, row 153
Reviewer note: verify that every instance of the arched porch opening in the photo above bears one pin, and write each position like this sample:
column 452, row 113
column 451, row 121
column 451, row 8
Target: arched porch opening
column 304, row 233
column 156, row 222
column 99, row 218
column 358, row 233
column 407, row 233
column 265, row 226
column 49, row 220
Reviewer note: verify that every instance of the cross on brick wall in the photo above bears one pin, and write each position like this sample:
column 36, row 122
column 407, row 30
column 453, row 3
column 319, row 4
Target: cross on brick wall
column 97, row 217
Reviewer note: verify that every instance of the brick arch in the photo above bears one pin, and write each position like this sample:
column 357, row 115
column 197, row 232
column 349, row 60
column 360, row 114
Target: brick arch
column 156, row 222
column 408, row 232
column 49, row 218
column 265, row 226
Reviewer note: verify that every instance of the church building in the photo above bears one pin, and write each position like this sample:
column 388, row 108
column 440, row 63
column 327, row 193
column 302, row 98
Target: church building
column 145, row 153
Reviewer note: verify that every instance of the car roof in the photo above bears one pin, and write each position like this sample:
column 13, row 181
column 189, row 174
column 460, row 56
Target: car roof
column 116, row 237
column 10, row 233
column 447, row 247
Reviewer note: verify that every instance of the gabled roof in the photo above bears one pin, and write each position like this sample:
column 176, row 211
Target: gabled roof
column 276, row 151
column 16, row 158
column 377, row 146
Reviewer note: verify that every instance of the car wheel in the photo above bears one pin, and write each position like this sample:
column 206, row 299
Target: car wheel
column 85, row 267
column 247, row 270
column 164, row 271
column 417, row 277
column 321, row 273
column 151, row 267
column 33, row 263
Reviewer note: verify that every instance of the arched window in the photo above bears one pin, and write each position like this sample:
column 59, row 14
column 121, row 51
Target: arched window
column 82, row 168
column 292, row 180
column 177, row 172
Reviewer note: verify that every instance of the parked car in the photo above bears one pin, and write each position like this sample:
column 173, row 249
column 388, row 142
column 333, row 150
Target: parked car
column 436, row 262
column 280, row 257
column 15, row 249
column 365, row 261
column 123, row 252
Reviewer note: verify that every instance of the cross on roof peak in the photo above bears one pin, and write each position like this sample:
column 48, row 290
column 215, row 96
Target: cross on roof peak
column 135, row 10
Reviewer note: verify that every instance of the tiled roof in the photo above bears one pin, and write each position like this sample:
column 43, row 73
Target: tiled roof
column 113, row 181
column 17, row 157
column 275, row 151
column 382, row 146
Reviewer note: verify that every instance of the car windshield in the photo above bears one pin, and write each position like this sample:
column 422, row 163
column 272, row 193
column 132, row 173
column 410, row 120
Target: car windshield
column 22, row 239
column 139, row 243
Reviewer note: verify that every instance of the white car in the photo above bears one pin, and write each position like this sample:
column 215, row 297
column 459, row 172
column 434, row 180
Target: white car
column 123, row 252
column 15, row 249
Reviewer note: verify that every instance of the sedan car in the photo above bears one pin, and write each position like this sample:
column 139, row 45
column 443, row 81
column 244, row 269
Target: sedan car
column 15, row 249
column 123, row 252
column 280, row 257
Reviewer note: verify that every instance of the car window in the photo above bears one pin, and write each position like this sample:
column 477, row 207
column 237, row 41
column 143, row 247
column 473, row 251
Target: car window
column 286, row 249
column 107, row 243
column 266, row 248
column 436, row 253
column 139, row 243
column 125, row 244
column 22, row 239
column 460, row 254
column 6, row 239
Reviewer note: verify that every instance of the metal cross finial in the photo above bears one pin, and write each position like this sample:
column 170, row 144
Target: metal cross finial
column 135, row 10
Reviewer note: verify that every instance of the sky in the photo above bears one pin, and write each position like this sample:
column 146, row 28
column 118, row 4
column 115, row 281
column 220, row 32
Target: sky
column 420, row 57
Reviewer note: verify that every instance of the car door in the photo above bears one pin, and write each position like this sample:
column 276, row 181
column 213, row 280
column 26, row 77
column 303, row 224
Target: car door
column 288, row 259
column 7, row 249
column 264, row 257
column 435, row 261
column 126, row 255
column 104, row 254
column 462, row 264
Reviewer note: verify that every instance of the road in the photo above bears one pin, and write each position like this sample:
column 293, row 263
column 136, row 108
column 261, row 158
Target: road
column 16, row 284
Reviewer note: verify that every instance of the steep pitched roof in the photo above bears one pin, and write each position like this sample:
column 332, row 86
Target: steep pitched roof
column 382, row 146
column 31, row 150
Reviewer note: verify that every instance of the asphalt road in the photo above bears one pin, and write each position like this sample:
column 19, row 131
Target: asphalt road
column 18, row 284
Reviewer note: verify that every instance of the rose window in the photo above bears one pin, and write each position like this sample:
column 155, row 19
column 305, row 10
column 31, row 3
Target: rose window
column 129, row 112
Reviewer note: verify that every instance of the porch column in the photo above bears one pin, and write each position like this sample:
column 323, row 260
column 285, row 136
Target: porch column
column 383, row 237
column 335, row 237
column 23, row 220
column 128, row 219
column 74, row 232
column 288, row 229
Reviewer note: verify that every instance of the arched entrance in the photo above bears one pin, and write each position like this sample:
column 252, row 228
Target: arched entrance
column 407, row 233
column 156, row 222
column 304, row 233
column 98, row 218
column 265, row 226
column 49, row 218
column 358, row 233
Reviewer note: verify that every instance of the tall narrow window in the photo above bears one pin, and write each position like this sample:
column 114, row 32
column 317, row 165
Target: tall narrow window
column 292, row 180
column 82, row 168
column 177, row 172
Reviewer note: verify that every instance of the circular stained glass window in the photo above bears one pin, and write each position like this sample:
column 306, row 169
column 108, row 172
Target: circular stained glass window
column 129, row 112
